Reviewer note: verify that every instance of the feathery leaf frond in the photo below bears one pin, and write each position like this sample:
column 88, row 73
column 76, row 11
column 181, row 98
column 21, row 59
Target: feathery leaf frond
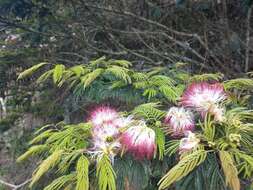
column 47, row 164
column 160, row 142
column 105, row 174
column 36, row 149
column 229, row 170
column 149, row 111
column 82, row 170
column 183, row 168
column 206, row 77
column 58, row 72
column 239, row 83
column 60, row 182
column 31, row 70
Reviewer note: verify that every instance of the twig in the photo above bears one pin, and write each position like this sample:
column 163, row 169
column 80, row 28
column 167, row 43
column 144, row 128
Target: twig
column 129, row 50
column 151, row 48
column 13, row 186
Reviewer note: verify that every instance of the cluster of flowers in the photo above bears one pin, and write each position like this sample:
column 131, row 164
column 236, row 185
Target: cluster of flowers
column 202, row 97
column 112, row 133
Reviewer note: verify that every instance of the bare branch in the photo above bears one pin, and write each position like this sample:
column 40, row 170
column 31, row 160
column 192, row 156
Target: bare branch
column 13, row 186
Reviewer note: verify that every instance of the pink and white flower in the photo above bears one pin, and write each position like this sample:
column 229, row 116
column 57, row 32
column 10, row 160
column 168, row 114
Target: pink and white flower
column 179, row 121
column 205, row 98
column 103, row 115
column 188, row 143
column 139, row 140
column 106, row 125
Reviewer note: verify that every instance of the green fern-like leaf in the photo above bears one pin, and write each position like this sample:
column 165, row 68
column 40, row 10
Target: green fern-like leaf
column 161, row 80
column 47, row 164
column 170, row 93
column 68, row 160
column 239, row 83
column 206, row 77
column 41, row 136
column 37, row 149
column 171, row 147
column 82, row 170
column 90, row 77
column 105, row 174
column 31, row 70
column 60, row 182
column 149, row 111
column 229, row 170
column 45, row 76
column 160, row 142
column 119, row 72
column 78, row 70
column 150, row 93
column 122, row 63
column 58, row 72
column 138, row 76
column 98, row 61
column 245, row 163
column 183, row 168
column 155, row 71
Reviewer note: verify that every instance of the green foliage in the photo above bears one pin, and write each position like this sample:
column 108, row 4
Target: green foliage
column 171, row 147
column 208, row 129
column 36, row 149
column 31, row 70
column 183, row 168
column 229, row 170
column 206, row 176
column 65, row 145
column 47, row 164
column 245, row 163
column 61, row 182
column 206, row 77
column 156, row 85
column 82, row 170
column 149, row 111
column 58, row 72
column 152, row 85
column 105, row 174
column 239, row 83
column 117, row 82
column 132, row 174
column 160, row 142
column 148, row 94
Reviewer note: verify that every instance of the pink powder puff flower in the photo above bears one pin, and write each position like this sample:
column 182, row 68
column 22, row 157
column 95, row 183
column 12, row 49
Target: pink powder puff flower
column 179, row 121
column 102, row 115
column 139, row 140
column 188, row 143
column 106, row 131
column 205, row 98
